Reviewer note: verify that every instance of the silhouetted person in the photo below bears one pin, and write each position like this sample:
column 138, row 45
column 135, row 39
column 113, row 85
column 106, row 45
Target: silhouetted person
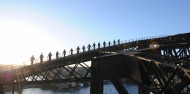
column 41, row 58
column 83, row 48
column 57, row 54
column 109, row 43
column 114, row 42
column 49, row 55
column 104, row 43
column 94, row 45
column 89, row 47
column 32, row 60
column 78, row 49
column 64, row 52
column 98, row 45
column 71, row 51
column 118, row 41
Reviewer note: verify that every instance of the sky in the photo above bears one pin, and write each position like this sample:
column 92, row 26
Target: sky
column 32, row 27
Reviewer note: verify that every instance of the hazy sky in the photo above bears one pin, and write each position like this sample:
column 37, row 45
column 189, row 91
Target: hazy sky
column 33, row 26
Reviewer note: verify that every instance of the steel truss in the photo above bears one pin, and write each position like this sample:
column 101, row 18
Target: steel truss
column 67, row 73
column 164, row 67
column 161, row 78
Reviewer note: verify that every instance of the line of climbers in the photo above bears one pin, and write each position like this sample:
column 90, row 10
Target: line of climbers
column 71, row 51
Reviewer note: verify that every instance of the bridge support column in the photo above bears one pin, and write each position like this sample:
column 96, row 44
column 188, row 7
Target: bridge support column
column 19, row 81
column 96, row 85
column 2, row 91
column 13, row 89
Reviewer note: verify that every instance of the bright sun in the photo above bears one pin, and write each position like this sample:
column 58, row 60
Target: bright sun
column 19, row 40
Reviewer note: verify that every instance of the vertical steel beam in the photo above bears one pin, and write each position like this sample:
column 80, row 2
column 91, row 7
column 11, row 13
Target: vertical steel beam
column 96, row 85
column 13, row 89
column 119, row 86
column 2, row 91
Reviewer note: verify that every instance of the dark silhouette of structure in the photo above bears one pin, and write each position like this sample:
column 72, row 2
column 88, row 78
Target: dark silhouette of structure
column 158, row 65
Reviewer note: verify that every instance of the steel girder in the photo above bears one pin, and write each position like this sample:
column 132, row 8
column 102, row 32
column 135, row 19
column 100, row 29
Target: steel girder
column 67, row 73
column 161, row 78
column 170, row 49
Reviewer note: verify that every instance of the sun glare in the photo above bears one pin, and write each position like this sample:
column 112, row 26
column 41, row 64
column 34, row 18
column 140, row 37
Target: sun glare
column 19, row 40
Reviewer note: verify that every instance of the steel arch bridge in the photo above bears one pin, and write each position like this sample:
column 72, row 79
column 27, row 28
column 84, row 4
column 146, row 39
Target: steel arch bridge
column 158, row 65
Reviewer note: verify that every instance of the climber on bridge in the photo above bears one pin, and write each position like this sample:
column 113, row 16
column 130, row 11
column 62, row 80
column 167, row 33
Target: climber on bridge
column 94, row 45
column 109, row 43
column 71, row 51
column 57, row 54
column 118, row 41
column 83, row 48
column 32, row 60
column 104, row 43
column 98, row 45
column 89, row 47
column 49, row 55
column 64, row 52
column 78, row 49
column 114, row 42
column 41, row 58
